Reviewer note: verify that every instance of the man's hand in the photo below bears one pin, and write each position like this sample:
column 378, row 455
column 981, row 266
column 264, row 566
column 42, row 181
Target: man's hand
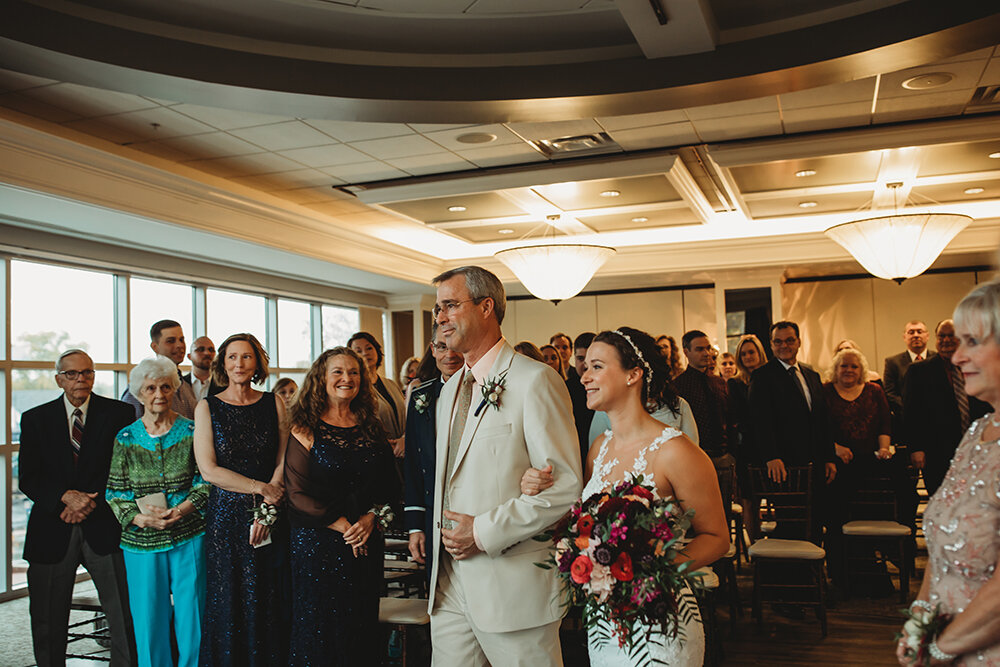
column 398, row 447
column 534, row 481
column 418, row 546
column 78, row 504
column 917, row 459
column 776, row 470
column 844, row 453
column 459, row 541
column 831, row 471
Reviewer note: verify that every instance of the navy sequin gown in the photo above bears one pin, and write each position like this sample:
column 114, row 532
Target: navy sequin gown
column 335, row 595
column 246, row 609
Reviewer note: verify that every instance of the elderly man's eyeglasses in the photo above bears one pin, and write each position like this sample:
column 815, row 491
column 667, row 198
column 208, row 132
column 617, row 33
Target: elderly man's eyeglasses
column 450, row 307
column 72, row 375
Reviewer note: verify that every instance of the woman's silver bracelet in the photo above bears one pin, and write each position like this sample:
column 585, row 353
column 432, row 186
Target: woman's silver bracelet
column 923, row 604
column 938, row 654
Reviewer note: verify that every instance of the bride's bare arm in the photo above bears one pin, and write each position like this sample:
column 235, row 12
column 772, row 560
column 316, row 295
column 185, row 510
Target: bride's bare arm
column 692, row 477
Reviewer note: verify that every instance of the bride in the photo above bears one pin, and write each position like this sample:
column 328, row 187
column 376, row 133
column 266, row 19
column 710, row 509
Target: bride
column 627, row 377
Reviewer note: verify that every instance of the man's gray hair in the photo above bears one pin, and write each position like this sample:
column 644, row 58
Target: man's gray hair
column 69, row 353
column 979, row 311
column 481, row 284
column 152, row 369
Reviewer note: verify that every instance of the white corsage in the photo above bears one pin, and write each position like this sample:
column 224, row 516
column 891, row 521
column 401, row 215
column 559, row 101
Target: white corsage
column 265, row 514
column 492, row 389
column 420, row 403
column 383, row 515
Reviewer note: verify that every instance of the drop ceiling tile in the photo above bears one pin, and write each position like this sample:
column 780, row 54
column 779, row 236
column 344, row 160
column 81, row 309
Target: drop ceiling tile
column 89, row 102
column 102, row 129
column 991, row 75
column 346, row 131
column 364, row 172
column 36, row 108
column 246, row 165
column 282, row 136
column 326, row 156
column 424, row 128
column 449, row 138
column 396, row 147
column 226, row 119
column 498, row 156
column 555, row 129
column 612, row 123
column 211, row 144
column 421, row 165
column 927, row 105
column 839, row 93
column 966, row 76
column 11, row 80
column 156, row 123
column 162, row 150
column 657, row 136
column 812, row 119
column 742, row 108
column 287, row 180
column 740, row 127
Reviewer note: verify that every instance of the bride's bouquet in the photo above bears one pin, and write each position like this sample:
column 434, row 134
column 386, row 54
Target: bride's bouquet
column 615, row 553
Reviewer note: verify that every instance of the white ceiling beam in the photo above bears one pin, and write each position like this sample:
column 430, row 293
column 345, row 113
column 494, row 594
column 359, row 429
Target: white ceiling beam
column 898, row 166
column 689, row 26
column 536, row 205
column 690, row 191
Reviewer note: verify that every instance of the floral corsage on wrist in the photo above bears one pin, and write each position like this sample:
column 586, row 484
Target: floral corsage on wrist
column 924, row 623
column 492, row 388
column 265, row 514
column 383, row 516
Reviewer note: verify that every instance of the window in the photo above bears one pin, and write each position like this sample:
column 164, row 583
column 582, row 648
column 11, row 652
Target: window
column 54, row 308
column 231, row 312
column 30, row 388
column 339, row 324
column 151, row 301
column 294, row 334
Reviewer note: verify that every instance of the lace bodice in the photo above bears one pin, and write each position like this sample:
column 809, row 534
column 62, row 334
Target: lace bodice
column 600, row 479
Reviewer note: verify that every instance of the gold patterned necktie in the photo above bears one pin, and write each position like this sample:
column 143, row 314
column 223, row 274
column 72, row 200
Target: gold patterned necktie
column 455, row 437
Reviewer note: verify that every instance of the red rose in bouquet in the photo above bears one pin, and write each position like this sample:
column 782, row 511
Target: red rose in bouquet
column 581, row 569
column 621, row 569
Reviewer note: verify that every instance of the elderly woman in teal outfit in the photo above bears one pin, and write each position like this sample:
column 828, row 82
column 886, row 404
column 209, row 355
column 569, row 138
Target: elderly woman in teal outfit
column 159, row 497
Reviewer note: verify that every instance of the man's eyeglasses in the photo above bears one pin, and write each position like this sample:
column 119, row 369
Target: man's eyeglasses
column 784, row 341
column 72, row 375
column 449, row 307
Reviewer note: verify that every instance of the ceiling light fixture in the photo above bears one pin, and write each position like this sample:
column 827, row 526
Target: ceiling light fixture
column 456, row 209
column 808, row 204
column 505, row 231
column 556, row 271
column 927, row 81
column 974, row 191
column 995, row 156
column 476, row 138
column 640, row 219
column 611, row 193
column 901, row 245
column 805, row 172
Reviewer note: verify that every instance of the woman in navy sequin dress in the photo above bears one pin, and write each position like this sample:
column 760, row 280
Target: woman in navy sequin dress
column 338, row 471
column 240, row 447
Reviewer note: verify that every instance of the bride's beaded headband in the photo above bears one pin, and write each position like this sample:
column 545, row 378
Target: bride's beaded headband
column 649, row 371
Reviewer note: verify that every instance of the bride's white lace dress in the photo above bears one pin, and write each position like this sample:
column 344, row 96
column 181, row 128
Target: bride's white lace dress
column 662, row 649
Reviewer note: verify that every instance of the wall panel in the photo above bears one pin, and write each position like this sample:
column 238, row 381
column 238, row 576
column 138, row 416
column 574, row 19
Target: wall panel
column 655, row 313
column 537, row 320
column 828, row 312
column 699, row 313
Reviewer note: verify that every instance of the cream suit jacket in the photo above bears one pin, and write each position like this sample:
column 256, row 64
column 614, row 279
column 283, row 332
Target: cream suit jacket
column 533, row 427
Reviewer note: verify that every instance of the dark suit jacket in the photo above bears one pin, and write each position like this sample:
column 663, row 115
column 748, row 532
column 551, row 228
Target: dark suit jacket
column 582, row 415
column 894, row 375
column 784, row 427
column 931, row 422
column 47, row 471
column 419, row 459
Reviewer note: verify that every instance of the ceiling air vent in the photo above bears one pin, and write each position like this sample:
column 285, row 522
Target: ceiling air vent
column 581, row 144
column 985, row 98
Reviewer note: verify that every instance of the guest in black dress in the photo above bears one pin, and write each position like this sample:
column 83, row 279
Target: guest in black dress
column 750, row 356
column 340, row 477
column 239, row 445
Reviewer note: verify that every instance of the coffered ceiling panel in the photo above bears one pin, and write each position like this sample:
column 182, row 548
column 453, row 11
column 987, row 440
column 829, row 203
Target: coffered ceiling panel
column 960, row 158
column 830, row 170
column 476, row 206
column 776, row 207
column 598, row 194
column 649, row 219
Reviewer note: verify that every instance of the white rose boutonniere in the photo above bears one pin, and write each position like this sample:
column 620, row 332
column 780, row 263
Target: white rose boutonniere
column 420, row 403
column 492, row 389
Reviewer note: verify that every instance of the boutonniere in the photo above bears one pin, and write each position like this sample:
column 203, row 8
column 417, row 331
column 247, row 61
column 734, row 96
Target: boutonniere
column 492, row 388
column 420, row 403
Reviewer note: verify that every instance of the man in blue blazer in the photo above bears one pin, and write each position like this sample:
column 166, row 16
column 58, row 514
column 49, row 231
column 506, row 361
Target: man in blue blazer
column 419, row 461
column 65, row 455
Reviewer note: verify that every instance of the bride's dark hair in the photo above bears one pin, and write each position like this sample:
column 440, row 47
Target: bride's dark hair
column 631, row 344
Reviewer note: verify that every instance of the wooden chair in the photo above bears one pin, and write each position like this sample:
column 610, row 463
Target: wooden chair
column 100, row 632
column 775, row 558
column 726, row 567
column 874, row 520
column 402, row 613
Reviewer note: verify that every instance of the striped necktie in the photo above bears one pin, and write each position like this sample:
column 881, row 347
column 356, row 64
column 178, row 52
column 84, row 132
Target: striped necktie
column 961, row 398
column 76, row 433
column 455, row 437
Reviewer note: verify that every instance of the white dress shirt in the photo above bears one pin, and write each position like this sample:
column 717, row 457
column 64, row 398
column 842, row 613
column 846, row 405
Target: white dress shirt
column 70, row 408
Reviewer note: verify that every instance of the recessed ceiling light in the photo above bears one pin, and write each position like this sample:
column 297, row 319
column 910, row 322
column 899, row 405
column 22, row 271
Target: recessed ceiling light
column 641, row 218
column 505, row 231
column 476, row 138
column 456, row 209
column 808, row 204
column 929, row 80
column 805, row 172
column 610, row 193
column 995, row 156
column 974, row 191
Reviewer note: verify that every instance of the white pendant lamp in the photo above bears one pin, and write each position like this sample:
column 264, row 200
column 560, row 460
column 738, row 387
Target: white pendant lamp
column 556, row 271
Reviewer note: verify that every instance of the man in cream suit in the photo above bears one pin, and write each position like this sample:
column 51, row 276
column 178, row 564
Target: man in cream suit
column 489, row 604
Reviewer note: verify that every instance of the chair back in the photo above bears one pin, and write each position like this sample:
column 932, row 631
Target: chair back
column 727, row 486
column 876, row 496
column 789, row 503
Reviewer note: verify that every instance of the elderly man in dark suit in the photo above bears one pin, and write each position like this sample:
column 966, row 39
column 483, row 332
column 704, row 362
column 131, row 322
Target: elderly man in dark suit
column 65, row 454
column 936, row 409
column 915, row 335
column 420, row 456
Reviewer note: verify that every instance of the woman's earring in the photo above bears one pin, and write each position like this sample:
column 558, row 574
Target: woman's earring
column 628, row 383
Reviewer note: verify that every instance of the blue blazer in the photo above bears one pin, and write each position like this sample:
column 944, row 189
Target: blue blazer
column 419, row 461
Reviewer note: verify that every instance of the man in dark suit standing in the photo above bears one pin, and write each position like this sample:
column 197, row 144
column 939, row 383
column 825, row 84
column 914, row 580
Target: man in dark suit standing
column 201, row 356
column 936, row 409
column 915, row 335
column 65, row 454
column 582, row 415
column 791, row 420
column 421, row 453
column 166, row 338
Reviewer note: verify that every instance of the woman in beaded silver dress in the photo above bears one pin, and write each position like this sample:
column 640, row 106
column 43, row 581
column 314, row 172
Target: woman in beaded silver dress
column 962, row 520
